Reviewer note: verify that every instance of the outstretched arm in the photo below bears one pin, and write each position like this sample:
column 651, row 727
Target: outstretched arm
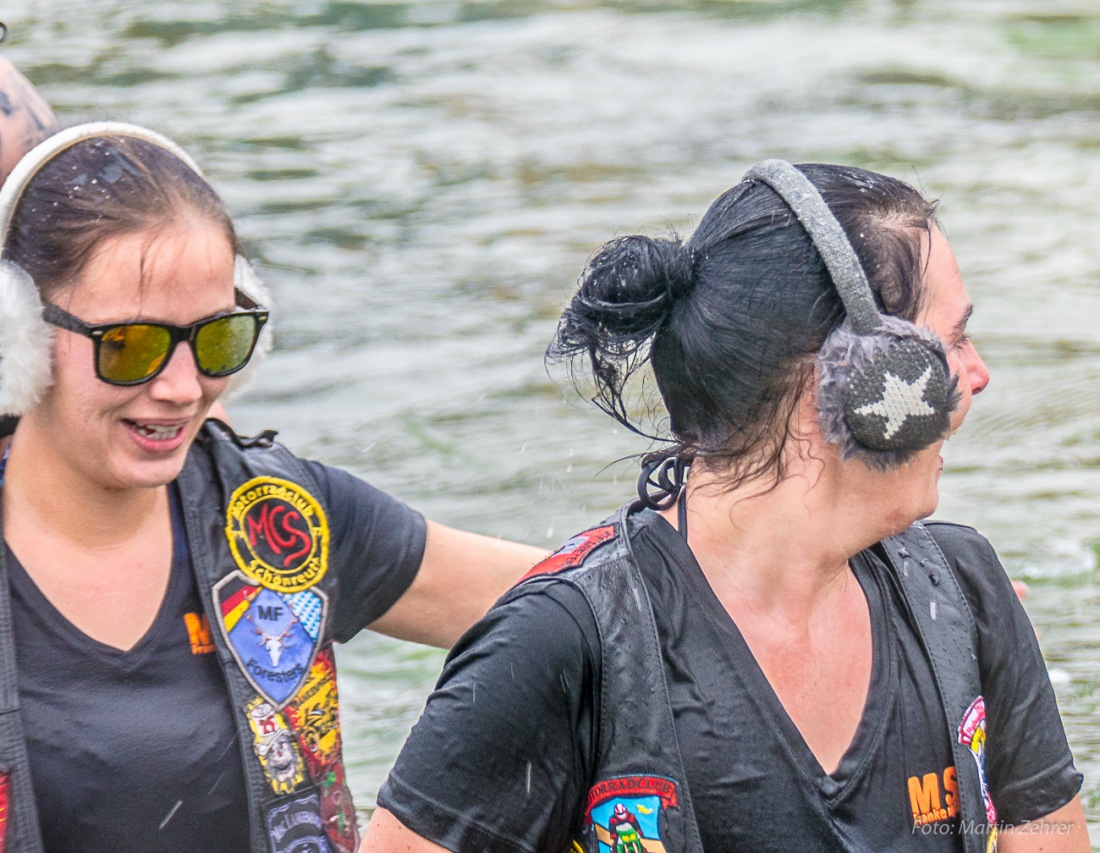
column 25, row 117
column 460, row 577
column 1062, row 831
column 386, row 834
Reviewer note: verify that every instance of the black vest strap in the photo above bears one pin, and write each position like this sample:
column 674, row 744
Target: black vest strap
column 950, row 638
column 22, row 832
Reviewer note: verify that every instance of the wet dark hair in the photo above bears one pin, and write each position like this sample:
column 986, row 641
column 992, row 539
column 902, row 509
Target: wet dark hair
column 100, row 188
column 731, row 319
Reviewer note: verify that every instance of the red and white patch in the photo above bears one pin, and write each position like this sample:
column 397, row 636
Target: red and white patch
column 572, row 553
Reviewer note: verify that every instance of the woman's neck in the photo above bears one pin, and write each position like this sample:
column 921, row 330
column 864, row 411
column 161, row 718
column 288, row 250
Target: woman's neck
column 42, row 491
column 781, row 546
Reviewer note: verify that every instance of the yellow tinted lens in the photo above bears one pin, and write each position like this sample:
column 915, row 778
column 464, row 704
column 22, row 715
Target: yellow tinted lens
column 224, row 345
column 132, row 352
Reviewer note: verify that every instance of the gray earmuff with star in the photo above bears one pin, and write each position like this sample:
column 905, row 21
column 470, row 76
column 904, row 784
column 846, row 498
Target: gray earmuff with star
column 25, row 338
column 885, row 391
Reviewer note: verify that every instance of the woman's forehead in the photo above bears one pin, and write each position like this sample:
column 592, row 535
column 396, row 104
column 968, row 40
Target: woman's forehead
column 188, row 264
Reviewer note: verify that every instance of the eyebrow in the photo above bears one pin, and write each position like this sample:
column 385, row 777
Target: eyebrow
column 960, row 327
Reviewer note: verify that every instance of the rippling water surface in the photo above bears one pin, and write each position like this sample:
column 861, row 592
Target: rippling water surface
column 420, row 183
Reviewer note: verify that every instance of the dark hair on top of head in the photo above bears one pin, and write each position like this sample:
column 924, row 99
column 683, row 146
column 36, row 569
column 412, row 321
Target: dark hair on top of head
column 731, row 319
column 109, row 186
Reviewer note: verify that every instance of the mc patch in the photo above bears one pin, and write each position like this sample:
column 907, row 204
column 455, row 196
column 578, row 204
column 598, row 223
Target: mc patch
column 625, row 813
column 294, row 825
column 278, row 534
column 338, row 811
column 572, row 553
column 972, row 735
column 274, row 636
column 274, row 745
column 314, row 716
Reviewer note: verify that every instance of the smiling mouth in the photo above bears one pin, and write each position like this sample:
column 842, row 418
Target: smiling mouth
column 157, row 432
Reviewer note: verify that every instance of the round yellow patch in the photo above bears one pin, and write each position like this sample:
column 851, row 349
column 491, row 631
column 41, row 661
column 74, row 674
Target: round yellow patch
column 278, row 534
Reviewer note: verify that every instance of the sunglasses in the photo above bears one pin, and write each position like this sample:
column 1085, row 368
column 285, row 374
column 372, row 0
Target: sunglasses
column 132, row 353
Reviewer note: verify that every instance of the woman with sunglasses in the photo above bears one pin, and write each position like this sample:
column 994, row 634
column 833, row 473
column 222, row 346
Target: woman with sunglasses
column 767, row 651
column 170, row 592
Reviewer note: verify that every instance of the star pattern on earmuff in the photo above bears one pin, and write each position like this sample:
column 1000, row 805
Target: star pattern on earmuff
column 900, row 401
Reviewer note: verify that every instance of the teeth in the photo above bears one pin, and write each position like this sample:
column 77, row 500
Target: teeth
column 159, row 433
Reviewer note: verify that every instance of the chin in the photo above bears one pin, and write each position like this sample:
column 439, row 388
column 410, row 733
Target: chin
column 151, row 475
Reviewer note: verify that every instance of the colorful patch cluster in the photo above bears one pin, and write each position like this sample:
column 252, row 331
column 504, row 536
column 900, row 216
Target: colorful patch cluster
column 272, row 617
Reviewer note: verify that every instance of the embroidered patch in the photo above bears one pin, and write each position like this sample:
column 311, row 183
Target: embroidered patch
column 338, row 812
column 274, row 745
column 273, row 636
column 278, row 534
column 294, row 825
column 314, row 715
column 972, row 735
column 625, row 813
column 572, row 553
column 5, row 795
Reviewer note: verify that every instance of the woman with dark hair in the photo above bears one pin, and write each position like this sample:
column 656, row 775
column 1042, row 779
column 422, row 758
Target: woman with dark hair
column 768, row 650
column 170, row 591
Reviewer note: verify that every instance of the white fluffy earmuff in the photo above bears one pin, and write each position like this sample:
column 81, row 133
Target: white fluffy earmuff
column 25, row 342
column 25, row 338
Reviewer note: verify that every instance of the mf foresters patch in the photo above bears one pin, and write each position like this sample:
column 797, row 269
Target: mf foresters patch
column 274, row 636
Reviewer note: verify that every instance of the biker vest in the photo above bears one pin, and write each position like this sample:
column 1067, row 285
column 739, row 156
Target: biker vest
column 639, row 798
column 258, row 533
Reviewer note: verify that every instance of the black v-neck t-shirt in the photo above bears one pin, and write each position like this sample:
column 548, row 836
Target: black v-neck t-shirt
column 105, row 727
column 502, row 758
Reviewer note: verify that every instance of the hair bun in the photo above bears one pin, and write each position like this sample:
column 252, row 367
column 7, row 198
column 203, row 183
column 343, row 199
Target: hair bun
column 630, row 285
column 679, row 268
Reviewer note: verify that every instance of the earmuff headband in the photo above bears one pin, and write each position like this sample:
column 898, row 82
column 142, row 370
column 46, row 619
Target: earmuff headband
column 832, row 243
column 884, row 388
column 33, row 161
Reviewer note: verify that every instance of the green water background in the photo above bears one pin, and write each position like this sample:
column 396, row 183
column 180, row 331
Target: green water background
column 420, row 183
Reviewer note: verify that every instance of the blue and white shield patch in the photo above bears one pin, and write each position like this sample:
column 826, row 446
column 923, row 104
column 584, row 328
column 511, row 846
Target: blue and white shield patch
column 273, row 636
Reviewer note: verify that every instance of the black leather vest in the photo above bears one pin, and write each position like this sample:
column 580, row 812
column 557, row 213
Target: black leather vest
column 258, row 535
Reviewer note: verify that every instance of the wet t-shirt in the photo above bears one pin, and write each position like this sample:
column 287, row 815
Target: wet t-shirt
column 503, row 757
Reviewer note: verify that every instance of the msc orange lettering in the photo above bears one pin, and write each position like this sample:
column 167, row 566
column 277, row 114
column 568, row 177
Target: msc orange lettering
column 924, row 795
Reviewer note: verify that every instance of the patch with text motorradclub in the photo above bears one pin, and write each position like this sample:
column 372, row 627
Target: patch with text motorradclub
column 278, row 534
column 572, row 553
column 625, row 813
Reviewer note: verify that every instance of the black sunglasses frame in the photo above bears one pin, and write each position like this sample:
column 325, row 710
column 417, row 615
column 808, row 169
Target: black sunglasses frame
column 61, row 318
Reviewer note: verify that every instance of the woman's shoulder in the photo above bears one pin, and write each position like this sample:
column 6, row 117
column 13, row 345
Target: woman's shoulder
column 982, row 577
column 960, row 541
column 546, row 611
